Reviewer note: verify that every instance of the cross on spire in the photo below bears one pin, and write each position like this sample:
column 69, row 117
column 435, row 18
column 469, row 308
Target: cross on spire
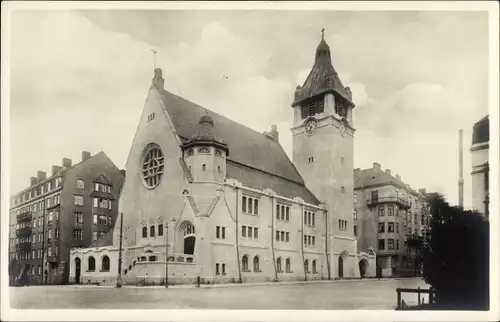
column 154, row 58
column 322, row 33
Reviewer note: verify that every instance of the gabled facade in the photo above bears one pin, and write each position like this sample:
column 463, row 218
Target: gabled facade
column 210, row 198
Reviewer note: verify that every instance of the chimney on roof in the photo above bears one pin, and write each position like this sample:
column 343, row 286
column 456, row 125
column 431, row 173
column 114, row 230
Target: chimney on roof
column 33, row 181
column 388, row 171
column 158, row 80
column 377, row 166
column 66, row 162
column 85, row 155
column 55, row 169
column 422, row 191
column 41, row 175
column 398, row 177
column 274, row 133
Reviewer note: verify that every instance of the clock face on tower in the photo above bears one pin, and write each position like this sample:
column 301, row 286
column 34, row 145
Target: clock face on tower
column 311, row 126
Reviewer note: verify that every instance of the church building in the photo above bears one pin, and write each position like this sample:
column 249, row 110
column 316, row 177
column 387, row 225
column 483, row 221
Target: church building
column 207, row 197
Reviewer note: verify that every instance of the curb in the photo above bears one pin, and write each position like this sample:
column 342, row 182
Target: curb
column 230, row 285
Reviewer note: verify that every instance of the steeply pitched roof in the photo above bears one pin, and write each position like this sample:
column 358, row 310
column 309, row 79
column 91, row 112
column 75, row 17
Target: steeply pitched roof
column 322, row 78
column 372, row 177
column 481, row 131
column 257, row 155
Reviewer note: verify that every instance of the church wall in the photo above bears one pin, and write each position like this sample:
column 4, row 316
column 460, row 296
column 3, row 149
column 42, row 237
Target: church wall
column 140, row 205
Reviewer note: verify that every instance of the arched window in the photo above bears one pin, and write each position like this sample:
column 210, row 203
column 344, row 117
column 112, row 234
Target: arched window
column 244, row 204
column 91, row 264
column 218, row 168
column 204, row 167
column 190, row 152
column 204, row 150
column 249, row 205
column 144, row 232
column 244, row 263
column 256, row 263
column 277, row 211
column 256, row 207
column 314, row 266
column 288, row 265
column 152, row 231
column 160, row 230
column 342, row 189
column 306, row 265
column 105, row 264
column 278, row 264
column 282, row 212
column 218, row 153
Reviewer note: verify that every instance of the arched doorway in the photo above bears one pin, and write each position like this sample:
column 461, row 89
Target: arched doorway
column 78, row 268
column 341, row 267
column 189, row 238
column 362, row 267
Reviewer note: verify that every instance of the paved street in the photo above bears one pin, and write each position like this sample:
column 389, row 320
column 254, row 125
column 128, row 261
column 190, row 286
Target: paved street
column 347, row 295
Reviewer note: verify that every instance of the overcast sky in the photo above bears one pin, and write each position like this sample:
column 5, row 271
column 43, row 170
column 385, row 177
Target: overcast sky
column 79, row 81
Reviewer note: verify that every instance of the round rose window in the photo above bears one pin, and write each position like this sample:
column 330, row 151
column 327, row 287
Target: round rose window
column 152, row 166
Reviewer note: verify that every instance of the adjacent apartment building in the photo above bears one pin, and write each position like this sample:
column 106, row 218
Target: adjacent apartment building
column 480, row 165
column 75, row 206
column 388, row 219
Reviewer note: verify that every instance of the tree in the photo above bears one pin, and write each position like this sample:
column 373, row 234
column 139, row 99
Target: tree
column 455, row 255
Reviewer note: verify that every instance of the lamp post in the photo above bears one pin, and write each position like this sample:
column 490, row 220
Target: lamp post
column 167, row 223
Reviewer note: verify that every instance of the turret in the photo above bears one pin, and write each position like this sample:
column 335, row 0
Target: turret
column 205, row 153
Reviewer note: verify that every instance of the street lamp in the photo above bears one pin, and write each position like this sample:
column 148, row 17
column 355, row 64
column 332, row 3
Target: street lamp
column 167, row 223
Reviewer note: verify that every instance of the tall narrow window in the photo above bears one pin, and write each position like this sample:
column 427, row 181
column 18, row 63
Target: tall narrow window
column 256, row 207
column 152, row 231
column 244, row 263
column 250, row 205
column 277, row 211
column 256, row 263
column 144, row 232
column 160, row 230
column 244, row 204
column 288, row 265
column 278, row 264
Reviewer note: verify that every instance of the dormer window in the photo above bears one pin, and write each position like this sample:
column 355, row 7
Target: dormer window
column 204, row 150
column 190, row 152
column 312, row 108
column 218, row 153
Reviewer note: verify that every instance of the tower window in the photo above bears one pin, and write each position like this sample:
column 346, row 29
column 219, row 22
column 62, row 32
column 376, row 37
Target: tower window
column 342, row 189
column 203, row 167
column 340, row 109
column 312, row 108
column 218, row 168
column 311, row 159
column 341, row 160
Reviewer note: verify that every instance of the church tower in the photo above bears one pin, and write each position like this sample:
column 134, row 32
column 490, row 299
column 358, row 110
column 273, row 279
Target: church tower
column 323, row 146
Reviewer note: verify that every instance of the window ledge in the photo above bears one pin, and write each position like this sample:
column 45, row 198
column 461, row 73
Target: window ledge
column 224, row 274
column 104, row 270
column 246, row 270
column 257, row 270
column 90, row 270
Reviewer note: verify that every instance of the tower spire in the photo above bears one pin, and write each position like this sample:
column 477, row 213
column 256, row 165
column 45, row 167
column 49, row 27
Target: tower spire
column 322, row 33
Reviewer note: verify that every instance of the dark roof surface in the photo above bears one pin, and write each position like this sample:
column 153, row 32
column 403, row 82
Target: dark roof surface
column 322, row 78
column 254, row 152
column 370, row 177
column 481, row 131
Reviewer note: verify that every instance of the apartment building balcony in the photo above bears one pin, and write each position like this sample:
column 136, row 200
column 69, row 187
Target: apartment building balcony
column 413, row 240
column 372, row 202
column 24, row 216
column 24, row 246
column 25, row 231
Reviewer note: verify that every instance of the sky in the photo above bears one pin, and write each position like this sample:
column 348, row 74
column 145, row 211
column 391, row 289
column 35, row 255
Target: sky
column 79, row 80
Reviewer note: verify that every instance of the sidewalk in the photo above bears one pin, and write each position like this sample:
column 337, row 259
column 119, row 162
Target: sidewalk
column 228, row 285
